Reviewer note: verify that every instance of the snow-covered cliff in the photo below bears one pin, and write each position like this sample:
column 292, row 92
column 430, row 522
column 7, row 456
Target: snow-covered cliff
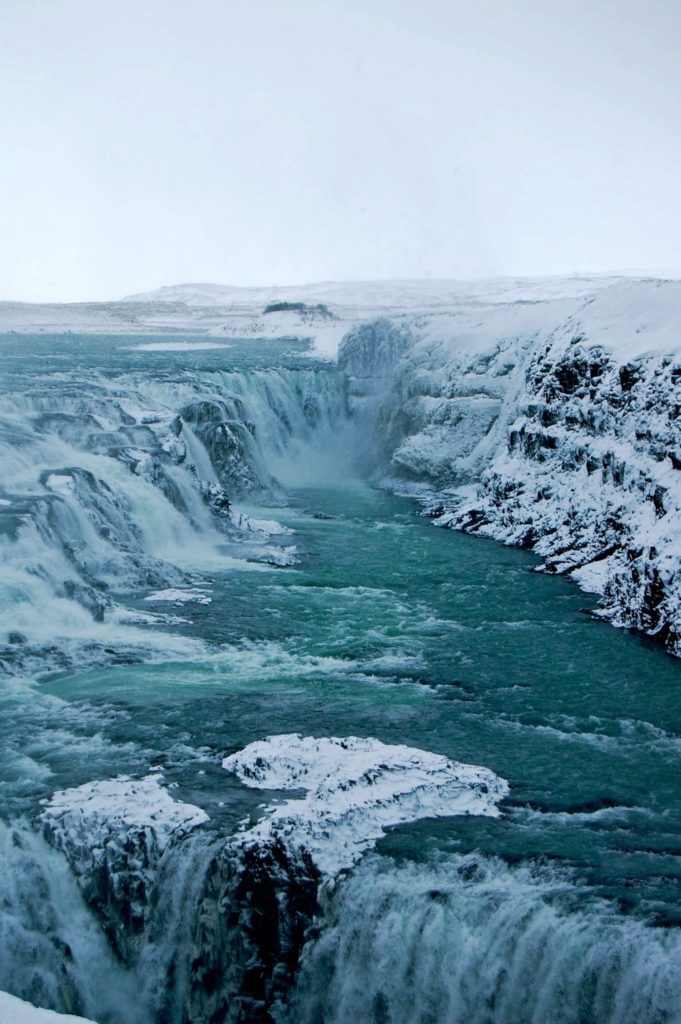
column 553, row 424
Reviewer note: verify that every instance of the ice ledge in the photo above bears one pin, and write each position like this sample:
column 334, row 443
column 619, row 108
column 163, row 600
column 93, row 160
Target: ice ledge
column 16, row 1011
column 122, row 803
column 356, row 788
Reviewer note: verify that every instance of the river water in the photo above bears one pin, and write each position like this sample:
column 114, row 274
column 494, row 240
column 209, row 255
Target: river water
column 564, row 909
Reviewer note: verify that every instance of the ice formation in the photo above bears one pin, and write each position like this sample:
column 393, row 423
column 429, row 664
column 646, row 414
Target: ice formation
column 355, row 789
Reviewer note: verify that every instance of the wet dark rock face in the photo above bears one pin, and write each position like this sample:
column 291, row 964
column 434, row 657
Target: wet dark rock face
column 247, row 910
column 229, row 438
column 257, row 907
column 117, row 881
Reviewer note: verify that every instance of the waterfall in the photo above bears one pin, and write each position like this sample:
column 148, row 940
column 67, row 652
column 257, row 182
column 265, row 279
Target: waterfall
column 124, row 488
column 111, row 487
column 469, row 940
column 53, row 950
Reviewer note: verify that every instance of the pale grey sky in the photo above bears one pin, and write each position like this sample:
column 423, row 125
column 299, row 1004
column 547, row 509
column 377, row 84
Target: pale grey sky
column 149, row 142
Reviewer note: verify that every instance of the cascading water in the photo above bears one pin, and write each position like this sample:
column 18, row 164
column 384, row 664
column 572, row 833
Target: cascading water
column 114, row 483
column 119, row 486
column 469, row 939
column 154, row 629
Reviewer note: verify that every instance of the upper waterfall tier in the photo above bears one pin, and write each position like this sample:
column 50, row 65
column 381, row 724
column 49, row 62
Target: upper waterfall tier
column 120, row 478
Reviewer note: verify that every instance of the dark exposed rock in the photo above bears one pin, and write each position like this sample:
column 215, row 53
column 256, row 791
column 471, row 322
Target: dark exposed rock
column 257, row 906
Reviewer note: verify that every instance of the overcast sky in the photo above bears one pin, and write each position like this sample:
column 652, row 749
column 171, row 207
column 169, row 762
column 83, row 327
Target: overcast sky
column 149, row 142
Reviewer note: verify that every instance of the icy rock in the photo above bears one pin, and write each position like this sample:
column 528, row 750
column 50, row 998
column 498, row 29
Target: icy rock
column 355, row 789
column 257, row 904
column 217, row 499
column 269, row 527
column 261, row 894
column 554, row 425
column 114, row 834
column 229, row 439
column 174, row 447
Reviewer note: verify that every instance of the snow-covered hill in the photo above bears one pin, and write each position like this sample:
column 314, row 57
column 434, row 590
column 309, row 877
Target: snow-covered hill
column 400, row 294
column 224, row 311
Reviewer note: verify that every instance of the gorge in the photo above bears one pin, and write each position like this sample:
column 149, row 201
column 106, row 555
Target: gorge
column 275, row 749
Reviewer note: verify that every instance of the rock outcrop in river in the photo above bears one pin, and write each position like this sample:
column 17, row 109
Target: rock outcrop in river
column 252, row 898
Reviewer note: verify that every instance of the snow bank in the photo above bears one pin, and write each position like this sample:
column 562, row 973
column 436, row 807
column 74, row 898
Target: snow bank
column 16, row 1011
column 356, row 788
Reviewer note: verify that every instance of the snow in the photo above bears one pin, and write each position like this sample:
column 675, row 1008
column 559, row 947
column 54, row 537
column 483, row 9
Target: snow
column 224, row 312
column 176, row 595
column 635, row 318
column 248, row 523
column 60, row 483
column 386, row 294
column 16, row 1011
column 355, row 789
column 122, row 803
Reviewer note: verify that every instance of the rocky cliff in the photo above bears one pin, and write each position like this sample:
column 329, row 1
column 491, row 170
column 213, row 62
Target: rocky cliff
column 554, row 425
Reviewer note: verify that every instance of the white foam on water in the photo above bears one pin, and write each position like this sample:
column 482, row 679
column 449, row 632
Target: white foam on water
column 178, row 595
